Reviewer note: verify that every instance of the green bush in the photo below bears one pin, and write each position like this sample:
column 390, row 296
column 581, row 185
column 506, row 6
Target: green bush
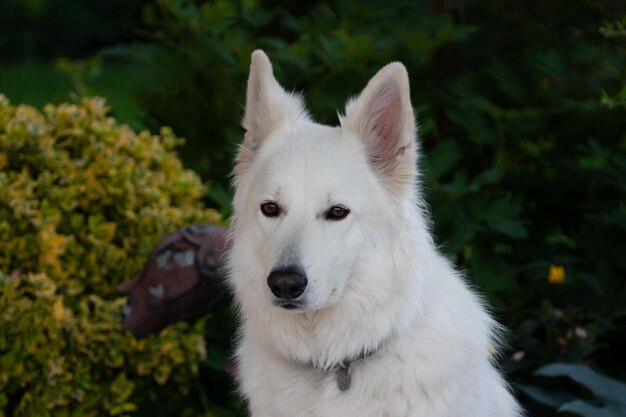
column 82, row 202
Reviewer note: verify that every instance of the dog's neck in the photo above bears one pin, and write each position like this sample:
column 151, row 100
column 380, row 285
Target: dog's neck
column 343, row 369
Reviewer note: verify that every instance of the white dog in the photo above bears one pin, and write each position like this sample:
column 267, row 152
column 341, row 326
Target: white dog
column 347, row 307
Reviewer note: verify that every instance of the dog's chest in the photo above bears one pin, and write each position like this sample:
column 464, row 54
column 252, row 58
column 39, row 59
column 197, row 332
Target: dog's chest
column 319, row 395
column 281, row 389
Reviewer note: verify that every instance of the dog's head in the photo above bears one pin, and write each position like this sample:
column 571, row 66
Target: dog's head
column 313, row 203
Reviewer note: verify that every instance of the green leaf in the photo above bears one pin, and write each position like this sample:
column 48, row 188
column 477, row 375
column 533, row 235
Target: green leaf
column 490, row 176
column 501, row 216
column 602, row 386
column 512, row 228
column 554, row 400
column 586, row 409
column 491, row 274
column 442, row 159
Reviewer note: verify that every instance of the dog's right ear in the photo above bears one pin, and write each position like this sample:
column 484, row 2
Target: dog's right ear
column 268, row 106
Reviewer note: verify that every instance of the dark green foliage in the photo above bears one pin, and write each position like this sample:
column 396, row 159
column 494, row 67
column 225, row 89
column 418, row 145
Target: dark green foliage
column 44, row 29
column 591, row 395
column 200, row 57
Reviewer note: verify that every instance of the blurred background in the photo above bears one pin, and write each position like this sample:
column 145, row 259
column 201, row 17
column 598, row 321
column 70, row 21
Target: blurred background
column 522, row 114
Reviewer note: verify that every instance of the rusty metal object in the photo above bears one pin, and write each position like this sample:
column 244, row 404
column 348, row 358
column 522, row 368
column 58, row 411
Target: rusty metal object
column 182, row 279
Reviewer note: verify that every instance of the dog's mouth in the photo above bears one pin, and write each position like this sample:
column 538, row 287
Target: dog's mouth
column 288, row 305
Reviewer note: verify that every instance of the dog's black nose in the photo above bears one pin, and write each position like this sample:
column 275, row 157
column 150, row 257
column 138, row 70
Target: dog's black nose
column 287, row 283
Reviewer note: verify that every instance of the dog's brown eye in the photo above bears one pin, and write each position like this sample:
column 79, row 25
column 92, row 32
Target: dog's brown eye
column 337, row 213
column 270, row 209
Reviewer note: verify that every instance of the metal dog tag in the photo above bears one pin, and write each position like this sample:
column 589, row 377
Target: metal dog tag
column 343, row 377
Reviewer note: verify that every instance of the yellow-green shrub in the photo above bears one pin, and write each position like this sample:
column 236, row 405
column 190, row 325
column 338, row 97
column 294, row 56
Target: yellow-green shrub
column 83, row 200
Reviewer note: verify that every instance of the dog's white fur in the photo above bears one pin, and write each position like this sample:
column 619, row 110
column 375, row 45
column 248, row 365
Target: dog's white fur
column 376, row 281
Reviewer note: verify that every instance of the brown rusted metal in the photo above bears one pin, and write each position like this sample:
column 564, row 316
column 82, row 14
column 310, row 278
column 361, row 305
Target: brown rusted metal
column 182, row 279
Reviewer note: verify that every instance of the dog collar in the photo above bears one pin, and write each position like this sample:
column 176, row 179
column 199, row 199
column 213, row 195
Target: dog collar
column 343, row 369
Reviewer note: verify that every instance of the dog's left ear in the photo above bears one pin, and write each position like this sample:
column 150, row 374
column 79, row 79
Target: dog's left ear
column 382, row 117
column 268, row 107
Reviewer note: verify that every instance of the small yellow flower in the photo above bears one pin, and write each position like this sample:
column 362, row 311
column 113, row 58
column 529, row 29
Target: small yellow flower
column 556, row 274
